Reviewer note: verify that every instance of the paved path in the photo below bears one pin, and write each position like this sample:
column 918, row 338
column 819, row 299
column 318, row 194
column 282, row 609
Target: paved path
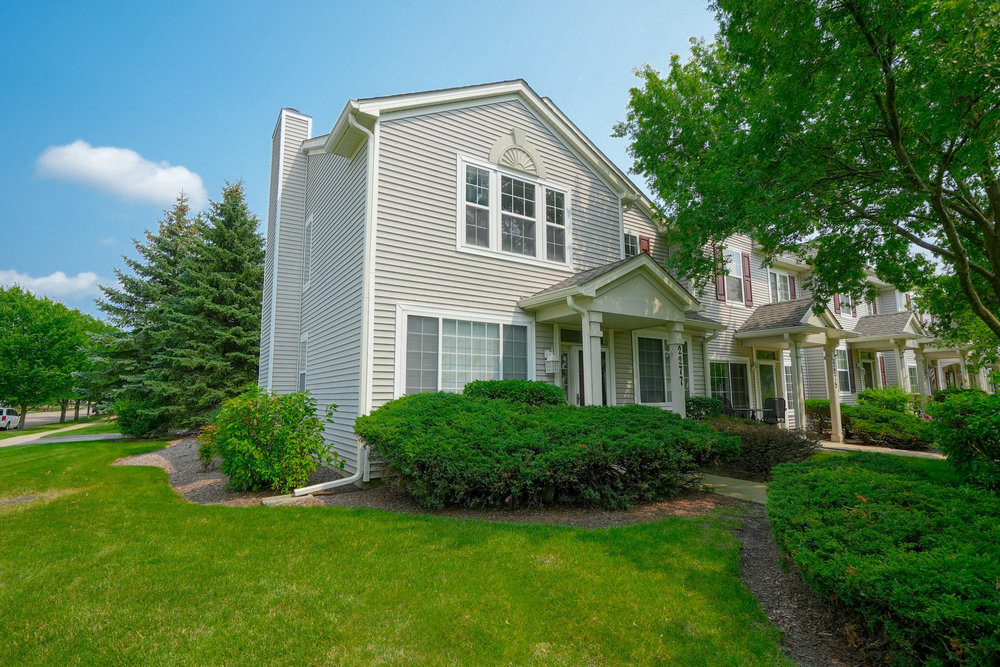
column 31, row 438
column 755, row 492
column 845, row 447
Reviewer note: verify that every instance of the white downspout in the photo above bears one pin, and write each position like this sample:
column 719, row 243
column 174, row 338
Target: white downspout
column 361, row 474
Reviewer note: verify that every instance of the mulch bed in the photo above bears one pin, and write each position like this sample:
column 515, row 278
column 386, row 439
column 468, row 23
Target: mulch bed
column 815, row 631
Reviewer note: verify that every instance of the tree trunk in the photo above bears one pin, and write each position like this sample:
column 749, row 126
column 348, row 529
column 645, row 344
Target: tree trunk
column 63, row 405
column 88, row 408
column 23, row 411
column 76, row 410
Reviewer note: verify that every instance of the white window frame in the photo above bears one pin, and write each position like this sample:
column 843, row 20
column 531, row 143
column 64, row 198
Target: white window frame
column 744, row 361
column 686, row 378
column 303, row 362
column 843, row 355
column 625, row 239
column 307, row 238
column 495, row 171
column 742, row 301
column 405, row 310
column 911, row 371
column 778, row 275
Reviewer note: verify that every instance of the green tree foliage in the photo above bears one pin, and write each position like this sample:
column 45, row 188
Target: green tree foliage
column 207, row 347
column 41, row 346
column 867, row 134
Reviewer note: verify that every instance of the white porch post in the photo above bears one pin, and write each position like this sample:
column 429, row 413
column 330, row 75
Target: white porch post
column 592, row 338
column 922, row 386
column 964, row 369
column 799, row 409
column 675, row 341
column 938, row 380
column 833, row 392
column 904, row 372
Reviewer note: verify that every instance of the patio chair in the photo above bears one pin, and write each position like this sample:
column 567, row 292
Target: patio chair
column 727, row 407
column 774, row 411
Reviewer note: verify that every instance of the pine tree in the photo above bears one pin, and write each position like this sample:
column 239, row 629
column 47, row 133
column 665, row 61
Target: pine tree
column 208, row 349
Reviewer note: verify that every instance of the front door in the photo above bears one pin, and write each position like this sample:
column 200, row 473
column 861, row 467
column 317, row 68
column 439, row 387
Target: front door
column 768, row 373
column 577, row 379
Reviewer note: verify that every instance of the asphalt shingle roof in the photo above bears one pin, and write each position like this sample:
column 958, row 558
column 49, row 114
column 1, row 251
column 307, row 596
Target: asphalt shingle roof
column 887, row 324
column 779, row 315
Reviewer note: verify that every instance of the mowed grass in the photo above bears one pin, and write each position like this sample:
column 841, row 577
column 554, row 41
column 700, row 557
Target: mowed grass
column 110, row 426
column 42, row 428
column 108, row 564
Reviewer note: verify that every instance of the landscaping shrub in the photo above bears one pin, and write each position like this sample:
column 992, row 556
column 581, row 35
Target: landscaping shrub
column 139, row 419
column 944, row 394
column 453, row 449
column 519, row 391
column 268, row 441
column 967, row 427
column 703, row 407
column 818, row 414
column 762, row 447
column 916, row 556
column 888, row 398
column 874, row 425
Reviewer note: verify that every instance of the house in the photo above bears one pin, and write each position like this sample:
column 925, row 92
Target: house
column 435, row 238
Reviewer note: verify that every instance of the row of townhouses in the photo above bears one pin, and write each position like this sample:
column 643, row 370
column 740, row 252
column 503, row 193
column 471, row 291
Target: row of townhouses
column 436, row 238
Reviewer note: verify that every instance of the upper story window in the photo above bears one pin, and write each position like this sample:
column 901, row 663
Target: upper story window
column 781, row 289
column 734, row 276
column 842, row 302
column 631, row 245
column 513, row 215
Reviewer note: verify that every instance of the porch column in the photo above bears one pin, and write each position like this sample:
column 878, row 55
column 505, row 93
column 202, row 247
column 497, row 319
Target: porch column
column 904, row 372
column 675, row 343
column 938, row 380
column 799, row 407
column 833, row 392
column 964, row 369
column 923, row 388
column 592, row 339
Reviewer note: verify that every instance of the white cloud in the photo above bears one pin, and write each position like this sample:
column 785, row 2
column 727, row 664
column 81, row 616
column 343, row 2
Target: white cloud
column 57, row 285
column 122, row 172
column 109, row 241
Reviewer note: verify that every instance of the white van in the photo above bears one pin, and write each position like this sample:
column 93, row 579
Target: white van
column 9, row 419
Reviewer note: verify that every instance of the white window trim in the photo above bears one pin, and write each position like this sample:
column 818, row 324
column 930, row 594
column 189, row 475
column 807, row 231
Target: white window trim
column 742, row 303
column 302, row 364
column 307, row 237
column 404, row 310
column 731, row 360
column 664, row 336
column 779, row 272
column 625, row 254
column 494, row 251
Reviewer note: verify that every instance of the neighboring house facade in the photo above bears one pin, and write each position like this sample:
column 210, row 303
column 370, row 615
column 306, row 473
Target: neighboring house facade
column 431, row 239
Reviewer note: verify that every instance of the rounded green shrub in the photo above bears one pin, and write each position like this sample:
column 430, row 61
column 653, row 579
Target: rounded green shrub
column 944, row 394
column 529, row 392
column 138, row 418
column 878, row 426
column 268, row 441
column 703, row 407
column 453, row 449
column 818, row 414
column 887, row 398
column 966, row 427
column 762, row 446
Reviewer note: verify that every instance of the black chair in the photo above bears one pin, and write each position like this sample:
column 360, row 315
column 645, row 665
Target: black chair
column 727, row 407
column 774, row 411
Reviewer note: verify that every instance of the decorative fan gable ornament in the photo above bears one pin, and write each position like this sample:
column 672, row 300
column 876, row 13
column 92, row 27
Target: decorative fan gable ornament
column 513, row 151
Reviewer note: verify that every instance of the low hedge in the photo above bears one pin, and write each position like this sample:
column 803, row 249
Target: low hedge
column 888, row 398
column 529, row 392
column 762, row 447
column 703, row 407
column 453, row 449
column 818, row 414
column 944, row 394
column 916, row 556
column 886, row 428
column 967, row 427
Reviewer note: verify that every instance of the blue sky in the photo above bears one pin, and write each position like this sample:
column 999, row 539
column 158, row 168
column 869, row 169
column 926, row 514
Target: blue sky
column 110, row 107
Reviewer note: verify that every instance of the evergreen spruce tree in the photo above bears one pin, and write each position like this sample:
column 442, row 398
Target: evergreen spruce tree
column 208, row 349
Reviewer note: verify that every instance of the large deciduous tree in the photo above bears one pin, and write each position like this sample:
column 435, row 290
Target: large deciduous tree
column 862, row 134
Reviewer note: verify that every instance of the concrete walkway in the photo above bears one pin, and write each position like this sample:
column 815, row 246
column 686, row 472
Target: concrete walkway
column 32, row 438
column 754, row 492
column 845, row 447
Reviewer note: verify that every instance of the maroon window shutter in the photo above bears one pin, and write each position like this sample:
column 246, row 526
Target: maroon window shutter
column 836, row 304
column 875, row 307
column 854, row 307
column 747, row 289
column 881, row 368
column 908, row 303
column 644, row 245
column 791, row 287
column 720, row 278
column 850, row 367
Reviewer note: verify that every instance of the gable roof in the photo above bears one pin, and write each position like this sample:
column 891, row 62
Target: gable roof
column 902, row 324
column 783, row 315
column 344, row 138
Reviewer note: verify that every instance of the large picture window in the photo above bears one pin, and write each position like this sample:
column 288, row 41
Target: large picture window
column 445, row 354
column 654, row 372
column 730, row 380
column 513, row 215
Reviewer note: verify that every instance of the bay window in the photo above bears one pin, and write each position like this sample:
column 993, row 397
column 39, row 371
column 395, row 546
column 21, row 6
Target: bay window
column 513, row 215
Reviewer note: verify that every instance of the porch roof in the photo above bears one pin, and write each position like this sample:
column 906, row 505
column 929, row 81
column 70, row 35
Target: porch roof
column 776, row 324
column 888, row 330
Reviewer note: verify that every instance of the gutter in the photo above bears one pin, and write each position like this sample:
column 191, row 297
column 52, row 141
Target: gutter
column 361, row 473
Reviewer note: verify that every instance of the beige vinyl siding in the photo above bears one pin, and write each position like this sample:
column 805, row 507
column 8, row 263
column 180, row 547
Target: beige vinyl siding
column 289, row 197
column 416, row 260
column 636, row 222
column 332, row 304
column 269, row 261
column 887, row 302
column 624, row 372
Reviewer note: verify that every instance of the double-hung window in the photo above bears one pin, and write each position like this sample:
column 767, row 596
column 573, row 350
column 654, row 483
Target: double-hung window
column 303, row 360
column 306, row 252
column 631, row 245
column 514, row 215
column 734, row 276
column 843, row 370
column 780, row 286
column 655, row 375
column 730, row 380
column 445, row 354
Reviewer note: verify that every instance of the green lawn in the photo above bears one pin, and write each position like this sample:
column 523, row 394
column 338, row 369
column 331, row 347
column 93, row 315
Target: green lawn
column 48, row 427
column 110, row 565
column 110, row 426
